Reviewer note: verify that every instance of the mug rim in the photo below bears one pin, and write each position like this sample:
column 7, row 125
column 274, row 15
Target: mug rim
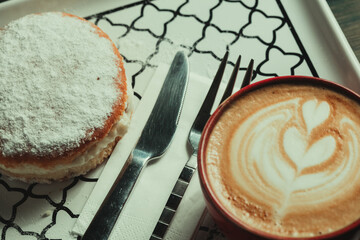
column 204, row 181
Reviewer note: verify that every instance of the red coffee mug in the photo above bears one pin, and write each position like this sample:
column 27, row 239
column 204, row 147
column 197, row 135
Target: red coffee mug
column 234, row 228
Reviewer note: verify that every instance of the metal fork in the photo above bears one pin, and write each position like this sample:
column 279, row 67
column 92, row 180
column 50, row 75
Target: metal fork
column 193, row 139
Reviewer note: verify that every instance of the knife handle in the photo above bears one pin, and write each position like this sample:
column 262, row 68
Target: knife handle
column 109, row 211
column 175, row 198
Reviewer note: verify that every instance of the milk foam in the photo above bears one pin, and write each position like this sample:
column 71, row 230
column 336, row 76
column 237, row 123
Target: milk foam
column 293, row 158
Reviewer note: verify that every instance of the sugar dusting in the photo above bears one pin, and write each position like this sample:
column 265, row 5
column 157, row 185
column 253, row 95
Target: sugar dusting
column 56, row 81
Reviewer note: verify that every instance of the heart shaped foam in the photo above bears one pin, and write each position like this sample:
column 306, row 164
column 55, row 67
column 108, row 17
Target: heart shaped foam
column 303, row 154
column 315, row 113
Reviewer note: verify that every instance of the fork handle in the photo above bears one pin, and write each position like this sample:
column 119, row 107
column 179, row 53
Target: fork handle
column 109, row 211
column 175, row 198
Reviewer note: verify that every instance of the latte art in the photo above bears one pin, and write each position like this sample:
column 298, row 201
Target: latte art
column 289, row 160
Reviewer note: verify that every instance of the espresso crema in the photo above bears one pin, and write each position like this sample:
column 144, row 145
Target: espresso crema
column 285, row 159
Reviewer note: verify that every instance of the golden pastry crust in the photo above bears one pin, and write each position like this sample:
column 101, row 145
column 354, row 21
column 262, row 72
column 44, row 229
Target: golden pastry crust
column 120, row 109
column 66, row 173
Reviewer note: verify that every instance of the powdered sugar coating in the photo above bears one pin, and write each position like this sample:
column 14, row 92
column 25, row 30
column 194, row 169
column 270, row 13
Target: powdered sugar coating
column 57, row 83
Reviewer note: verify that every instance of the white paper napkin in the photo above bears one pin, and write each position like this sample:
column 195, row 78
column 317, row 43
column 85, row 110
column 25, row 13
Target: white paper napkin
column 144, row 206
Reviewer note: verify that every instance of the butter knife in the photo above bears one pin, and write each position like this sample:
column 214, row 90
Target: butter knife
column 153, row 143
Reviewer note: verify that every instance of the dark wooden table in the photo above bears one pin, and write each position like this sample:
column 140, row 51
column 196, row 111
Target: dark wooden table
column 347, row 13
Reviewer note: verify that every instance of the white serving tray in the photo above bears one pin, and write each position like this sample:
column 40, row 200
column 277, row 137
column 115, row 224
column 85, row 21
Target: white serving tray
column 148, row 35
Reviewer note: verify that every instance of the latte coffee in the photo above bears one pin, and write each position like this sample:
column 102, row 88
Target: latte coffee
column 284, row 158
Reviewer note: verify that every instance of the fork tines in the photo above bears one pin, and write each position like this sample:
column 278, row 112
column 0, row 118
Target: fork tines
column 230, row 85
column 248, row 74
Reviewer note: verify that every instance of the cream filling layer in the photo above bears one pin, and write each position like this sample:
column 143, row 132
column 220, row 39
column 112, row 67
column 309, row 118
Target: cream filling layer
column 118, row 130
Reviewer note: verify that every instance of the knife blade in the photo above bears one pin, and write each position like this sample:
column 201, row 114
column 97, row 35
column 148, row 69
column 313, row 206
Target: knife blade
column 153, row 143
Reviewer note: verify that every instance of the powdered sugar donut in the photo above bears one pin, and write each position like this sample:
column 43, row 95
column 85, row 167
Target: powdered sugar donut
column 64, row 101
